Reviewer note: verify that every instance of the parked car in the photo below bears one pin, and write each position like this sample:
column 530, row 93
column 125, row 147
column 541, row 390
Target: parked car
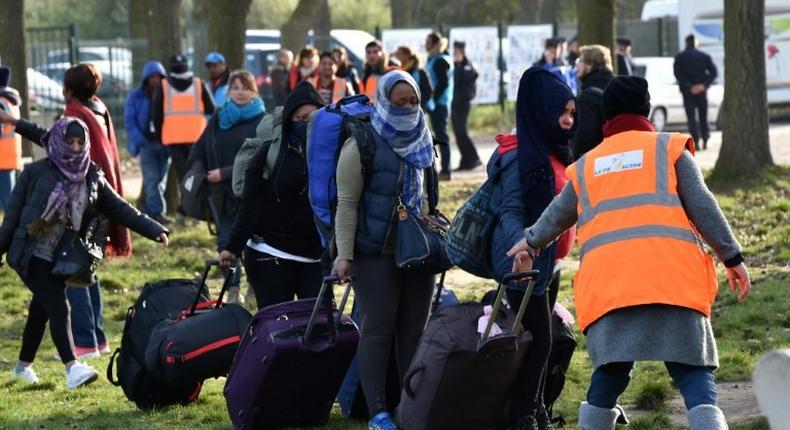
column 43, row 92
column 666, row 102
column 112, row 61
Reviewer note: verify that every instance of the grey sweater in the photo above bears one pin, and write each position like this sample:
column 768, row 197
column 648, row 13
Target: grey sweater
column 655, row 332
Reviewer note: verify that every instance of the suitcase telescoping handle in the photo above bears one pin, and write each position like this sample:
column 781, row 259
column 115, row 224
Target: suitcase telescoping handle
column 500, row 295
column 203, row 277
column 325, row 295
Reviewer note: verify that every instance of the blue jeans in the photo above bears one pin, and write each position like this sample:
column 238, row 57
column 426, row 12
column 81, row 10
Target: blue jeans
column 696, row 384
column 154, row 162
column 87, row 324
column 7, row 181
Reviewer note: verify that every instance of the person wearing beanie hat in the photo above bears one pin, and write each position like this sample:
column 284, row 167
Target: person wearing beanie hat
column 64, row 192
column 10, row 142
column 625, row 62
column 182, row 131
column 154, row 158
column 274, row 229
column 218, row 73
column 643, row 210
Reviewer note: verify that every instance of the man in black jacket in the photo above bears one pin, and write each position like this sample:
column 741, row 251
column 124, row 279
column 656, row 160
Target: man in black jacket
column 625, row 63
column 594, row 70
column 695, row 72
column 464, row 91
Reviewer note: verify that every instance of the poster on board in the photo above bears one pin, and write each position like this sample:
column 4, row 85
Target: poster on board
column 414, row 38
column 482, row 49
column 525, row 46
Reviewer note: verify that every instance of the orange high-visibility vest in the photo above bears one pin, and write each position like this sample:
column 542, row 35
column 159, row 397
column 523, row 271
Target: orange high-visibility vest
column 10, row 142
column 184, row 114
column 368, row 86
column 637, row 245
column 339, row 88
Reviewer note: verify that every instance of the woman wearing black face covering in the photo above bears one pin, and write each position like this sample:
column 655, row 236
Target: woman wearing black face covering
column 530, row 168
column 274, row 225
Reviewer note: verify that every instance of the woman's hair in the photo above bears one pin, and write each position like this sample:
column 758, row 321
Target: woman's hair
column 597, row 56
column 245, row 78
column 82, row 81
column 306, row 52
column 343, row 54
column 408, row 53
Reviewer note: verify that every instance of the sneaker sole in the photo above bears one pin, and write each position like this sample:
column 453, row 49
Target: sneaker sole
column 87, row 381
column 21, row 380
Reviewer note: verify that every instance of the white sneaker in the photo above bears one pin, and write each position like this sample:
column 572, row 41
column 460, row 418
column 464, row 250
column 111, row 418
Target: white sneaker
column 28, row 375
column 79, row 375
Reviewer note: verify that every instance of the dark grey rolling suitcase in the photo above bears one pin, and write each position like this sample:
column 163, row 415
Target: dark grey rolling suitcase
column 460, row 378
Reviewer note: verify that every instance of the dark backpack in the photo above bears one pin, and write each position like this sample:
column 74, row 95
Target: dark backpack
column 157, row 302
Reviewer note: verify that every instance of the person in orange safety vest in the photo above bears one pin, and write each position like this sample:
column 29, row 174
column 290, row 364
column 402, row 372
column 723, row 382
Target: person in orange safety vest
column 645, row 284
column 10, row 142
column 329, row 86
column 376, row 65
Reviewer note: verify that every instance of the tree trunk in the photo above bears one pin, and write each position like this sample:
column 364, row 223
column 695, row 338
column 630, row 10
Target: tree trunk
column 198, row 32
column 294, row 31
column 548, row 11
column 322, row 26
column 402, row 13
column 598, row 24
column 745, row 148
column 227, row 24
column 12, row 53
column 158, row 22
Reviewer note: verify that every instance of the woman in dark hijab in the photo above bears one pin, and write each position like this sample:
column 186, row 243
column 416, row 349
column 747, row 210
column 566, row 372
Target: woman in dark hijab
column 530, row 171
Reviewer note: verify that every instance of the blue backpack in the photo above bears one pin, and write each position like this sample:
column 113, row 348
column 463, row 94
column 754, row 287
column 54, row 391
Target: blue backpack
column 329, row 128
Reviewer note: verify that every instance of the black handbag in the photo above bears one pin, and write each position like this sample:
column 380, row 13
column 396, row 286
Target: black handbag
column 420, row 243
column 76, row 258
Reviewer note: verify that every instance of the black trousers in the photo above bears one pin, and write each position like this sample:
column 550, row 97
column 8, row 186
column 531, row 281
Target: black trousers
column 460, row 118
column 49, row 303
column 179, row 154
column 528, row 391
column 393, row 305
column 697, row 104
column 275, row 280
column 439, row 124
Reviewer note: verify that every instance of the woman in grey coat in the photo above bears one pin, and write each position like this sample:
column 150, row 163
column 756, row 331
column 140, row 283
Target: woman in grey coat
column 670, row 329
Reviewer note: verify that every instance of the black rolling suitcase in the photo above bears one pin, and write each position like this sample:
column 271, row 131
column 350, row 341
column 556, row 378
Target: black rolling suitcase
column 460, row 378
column 200, row 343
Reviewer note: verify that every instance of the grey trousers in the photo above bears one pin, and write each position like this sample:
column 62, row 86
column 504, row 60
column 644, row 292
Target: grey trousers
column 393, row 303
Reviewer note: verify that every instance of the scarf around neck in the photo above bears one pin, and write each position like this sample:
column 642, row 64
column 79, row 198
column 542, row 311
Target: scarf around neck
column 74, row 167
column 406, row 132
column 232, row 114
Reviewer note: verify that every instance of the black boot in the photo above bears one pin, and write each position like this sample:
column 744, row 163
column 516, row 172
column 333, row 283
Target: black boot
column 542, row 418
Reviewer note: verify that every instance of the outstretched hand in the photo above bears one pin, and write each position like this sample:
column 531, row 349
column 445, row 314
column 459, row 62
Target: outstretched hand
column 738, row 276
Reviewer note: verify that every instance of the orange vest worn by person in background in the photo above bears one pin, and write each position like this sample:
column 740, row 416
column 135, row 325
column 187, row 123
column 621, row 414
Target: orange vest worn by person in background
column 339, row 89
column 368, row 86
column 637, row 245
column 10, row 142
column 184, row 114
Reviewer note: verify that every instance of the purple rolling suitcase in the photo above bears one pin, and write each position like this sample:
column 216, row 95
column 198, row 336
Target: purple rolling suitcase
column 290, row 363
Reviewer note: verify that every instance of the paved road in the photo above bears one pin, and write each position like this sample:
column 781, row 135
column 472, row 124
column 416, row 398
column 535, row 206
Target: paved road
column 780, row 149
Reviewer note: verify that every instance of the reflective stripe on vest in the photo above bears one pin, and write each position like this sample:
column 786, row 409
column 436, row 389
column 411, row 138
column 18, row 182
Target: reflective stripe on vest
column 10, row 142
column 637, row 245
column 184, row 114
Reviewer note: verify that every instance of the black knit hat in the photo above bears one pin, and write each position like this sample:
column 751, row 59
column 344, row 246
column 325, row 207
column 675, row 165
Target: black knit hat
column 303, row 94
column 626, row 94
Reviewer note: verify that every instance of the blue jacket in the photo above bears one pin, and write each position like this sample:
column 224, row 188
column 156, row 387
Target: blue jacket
column 135, row 114
column 510, row 215
column 379, row 199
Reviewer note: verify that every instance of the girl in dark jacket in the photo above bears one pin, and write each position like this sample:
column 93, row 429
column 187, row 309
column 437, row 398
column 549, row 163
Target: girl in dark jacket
column 65, row 190
column 216, row 149
column 80, row 85
column 274, row 224
column 530, row 170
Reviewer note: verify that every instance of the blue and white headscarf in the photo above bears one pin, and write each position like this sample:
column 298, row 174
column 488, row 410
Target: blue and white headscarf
column 406, row 132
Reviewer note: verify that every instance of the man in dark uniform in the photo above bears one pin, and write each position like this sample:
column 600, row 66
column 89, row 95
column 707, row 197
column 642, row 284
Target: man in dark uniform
column 464, row 91
column 625, row 63
column 695, row 72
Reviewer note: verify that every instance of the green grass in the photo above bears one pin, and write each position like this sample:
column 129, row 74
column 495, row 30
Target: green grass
column 758, row 212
